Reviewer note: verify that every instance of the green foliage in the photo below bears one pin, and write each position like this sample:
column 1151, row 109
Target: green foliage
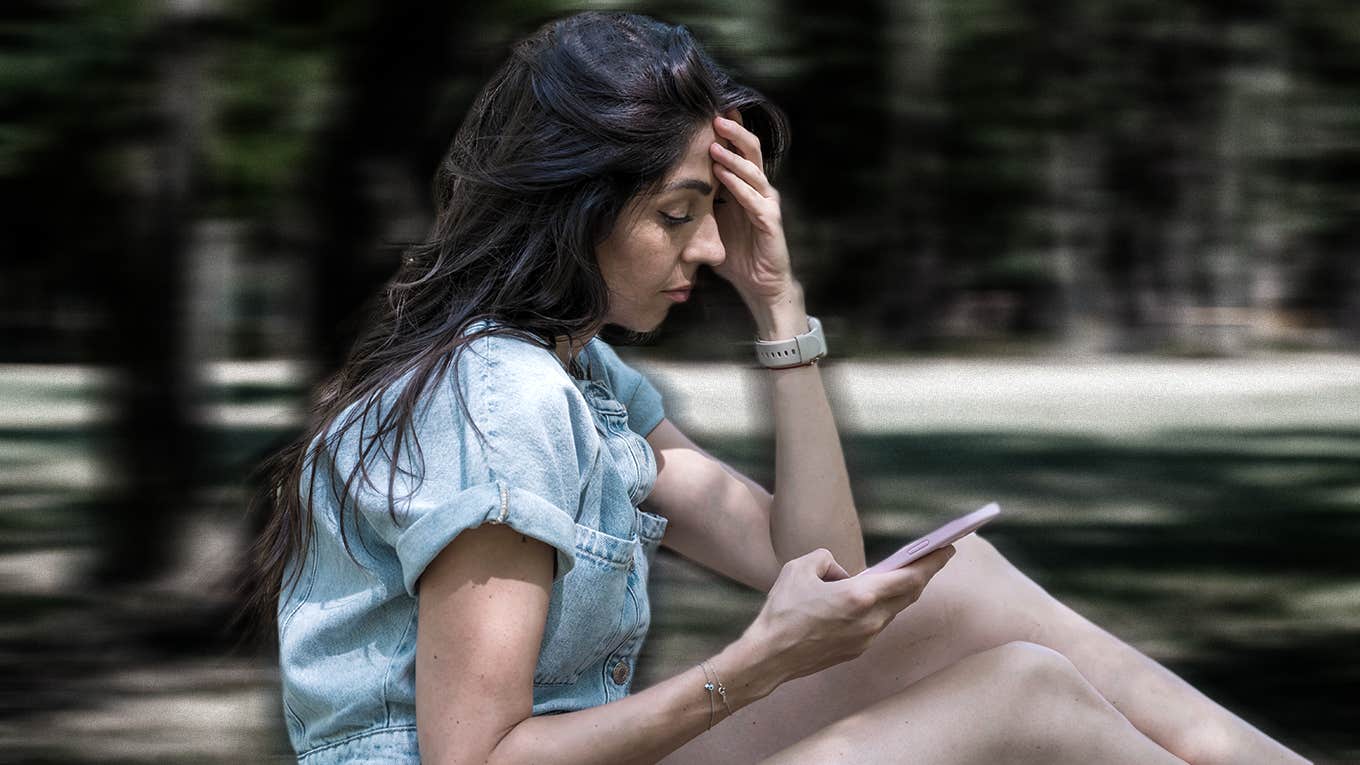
column 270, row 101
column 64, row 72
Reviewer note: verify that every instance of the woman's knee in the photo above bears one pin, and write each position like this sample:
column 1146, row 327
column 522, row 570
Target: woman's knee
column 1048, row 697
column 1040, row 678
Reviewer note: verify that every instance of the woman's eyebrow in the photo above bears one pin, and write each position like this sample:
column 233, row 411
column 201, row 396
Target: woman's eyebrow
column 689, row 183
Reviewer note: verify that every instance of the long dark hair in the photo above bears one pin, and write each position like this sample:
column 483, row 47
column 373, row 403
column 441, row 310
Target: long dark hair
column 589, row 113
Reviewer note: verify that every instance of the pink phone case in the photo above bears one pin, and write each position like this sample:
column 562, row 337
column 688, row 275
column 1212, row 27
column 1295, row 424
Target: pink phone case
column 941, row 537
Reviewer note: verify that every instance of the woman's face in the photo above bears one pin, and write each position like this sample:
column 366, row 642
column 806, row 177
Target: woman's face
column 660, row 242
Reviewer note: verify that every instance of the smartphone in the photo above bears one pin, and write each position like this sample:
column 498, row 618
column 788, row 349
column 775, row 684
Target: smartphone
column 943, row 536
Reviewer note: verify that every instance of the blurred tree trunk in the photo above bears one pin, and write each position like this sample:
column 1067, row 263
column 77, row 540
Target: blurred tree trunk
column 1074, row 207
column 1183, row 241
column 369, row 181
column 1267, row 230
column 155, row 448
column 1121, row 265
column 838, row 122
column 1350, row 308
column 1188, row 179
column 377, row 157
column 912, row 294
column 1073, row 204
column 1163, row 239
column 1226, row 277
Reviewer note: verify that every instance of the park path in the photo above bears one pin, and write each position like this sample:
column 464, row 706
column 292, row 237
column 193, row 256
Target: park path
column 1099, row 395
column 1102, row 394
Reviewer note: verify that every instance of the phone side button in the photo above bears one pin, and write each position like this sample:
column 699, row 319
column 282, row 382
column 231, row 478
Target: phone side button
column 919, row 546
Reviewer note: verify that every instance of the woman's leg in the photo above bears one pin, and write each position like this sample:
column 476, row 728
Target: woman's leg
column 980, row 600
column 986, row 602
column 977, row 602
column 1017, row 703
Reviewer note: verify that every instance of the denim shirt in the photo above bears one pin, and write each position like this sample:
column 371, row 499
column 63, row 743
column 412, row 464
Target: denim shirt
column 564, row 462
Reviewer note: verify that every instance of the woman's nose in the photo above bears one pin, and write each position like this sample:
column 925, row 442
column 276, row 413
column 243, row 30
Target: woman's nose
column 706, row 247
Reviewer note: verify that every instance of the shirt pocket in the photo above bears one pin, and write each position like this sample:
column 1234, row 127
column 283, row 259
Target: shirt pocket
column 651, row 529
column 630, row 453
column 588, row 614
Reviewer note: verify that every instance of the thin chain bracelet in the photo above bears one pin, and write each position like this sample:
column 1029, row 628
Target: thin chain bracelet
column 722, row 689
column 708, row 686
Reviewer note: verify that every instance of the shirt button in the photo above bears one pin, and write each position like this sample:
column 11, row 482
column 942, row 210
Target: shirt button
column 621, row 673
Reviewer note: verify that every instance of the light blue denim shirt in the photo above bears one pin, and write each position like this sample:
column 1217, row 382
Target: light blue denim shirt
column 566, row 464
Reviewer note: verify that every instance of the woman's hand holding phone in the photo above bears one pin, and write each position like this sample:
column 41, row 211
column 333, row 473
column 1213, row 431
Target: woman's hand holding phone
column 816, row 615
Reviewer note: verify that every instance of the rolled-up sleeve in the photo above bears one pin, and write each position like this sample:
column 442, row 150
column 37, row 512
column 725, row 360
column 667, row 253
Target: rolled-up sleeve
column 526, row 474
column 497, row 502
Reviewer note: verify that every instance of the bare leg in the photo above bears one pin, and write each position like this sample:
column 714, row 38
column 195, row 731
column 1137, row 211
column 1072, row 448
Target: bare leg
column 980, row 601
column 1017, row 703
column 987, row 601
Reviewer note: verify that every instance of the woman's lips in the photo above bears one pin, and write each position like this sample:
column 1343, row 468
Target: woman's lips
column 678, row 296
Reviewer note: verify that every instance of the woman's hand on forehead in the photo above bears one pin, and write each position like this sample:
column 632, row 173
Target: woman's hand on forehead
column 752, row 230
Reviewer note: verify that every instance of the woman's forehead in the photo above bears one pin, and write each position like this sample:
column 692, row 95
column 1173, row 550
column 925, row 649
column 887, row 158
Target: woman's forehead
column 697, row 165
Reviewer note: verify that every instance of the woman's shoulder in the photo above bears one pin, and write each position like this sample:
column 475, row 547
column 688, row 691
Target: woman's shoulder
column 511, row 383
column 507, row 359
column 495, row 376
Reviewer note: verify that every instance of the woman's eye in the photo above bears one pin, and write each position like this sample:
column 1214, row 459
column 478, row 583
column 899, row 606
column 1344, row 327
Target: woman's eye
column 671, row 220
column 719, row 201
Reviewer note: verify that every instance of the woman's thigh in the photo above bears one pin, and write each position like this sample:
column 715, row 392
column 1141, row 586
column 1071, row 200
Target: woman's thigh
column 977, row 602
column 1007, row 704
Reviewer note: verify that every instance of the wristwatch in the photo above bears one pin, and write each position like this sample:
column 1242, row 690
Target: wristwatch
column 797, row 351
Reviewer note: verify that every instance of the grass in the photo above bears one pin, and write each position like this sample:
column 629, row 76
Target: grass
column 1228, row 555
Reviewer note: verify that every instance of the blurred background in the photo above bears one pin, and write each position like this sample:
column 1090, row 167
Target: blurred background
column 1094, row 260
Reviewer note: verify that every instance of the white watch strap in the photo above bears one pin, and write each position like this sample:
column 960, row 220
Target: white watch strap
column 795, row 351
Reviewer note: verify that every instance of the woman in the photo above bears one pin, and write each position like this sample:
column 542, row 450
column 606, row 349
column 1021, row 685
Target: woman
column 459, row 545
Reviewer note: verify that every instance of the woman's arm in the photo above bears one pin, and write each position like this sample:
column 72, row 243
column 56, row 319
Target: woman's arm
column 812, row 506
column 719, row 517
column 483, row 607
column 483, row 604
column 642, row 727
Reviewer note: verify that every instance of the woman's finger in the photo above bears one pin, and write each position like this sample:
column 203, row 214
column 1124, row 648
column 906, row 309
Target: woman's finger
column 835, row 573
column 744, row 168
column 910, row 579
column 753, row 202
column 746, row 142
